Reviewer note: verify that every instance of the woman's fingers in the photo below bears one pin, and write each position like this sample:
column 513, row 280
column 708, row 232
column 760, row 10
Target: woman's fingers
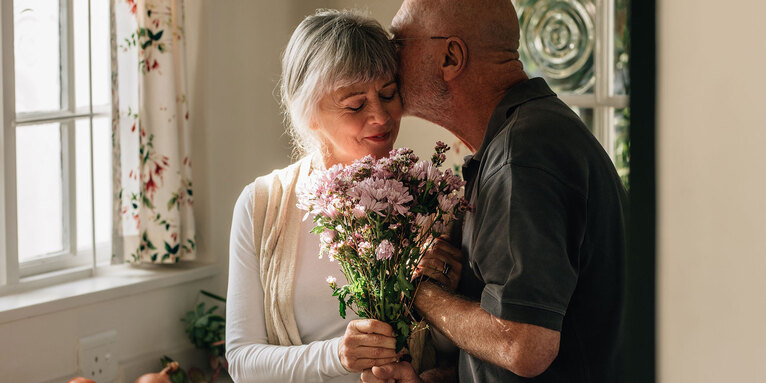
column 371, row 326
column 367, row 343
column 359, row 348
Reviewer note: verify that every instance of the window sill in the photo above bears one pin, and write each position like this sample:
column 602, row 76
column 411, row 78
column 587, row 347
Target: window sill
column 110, row 282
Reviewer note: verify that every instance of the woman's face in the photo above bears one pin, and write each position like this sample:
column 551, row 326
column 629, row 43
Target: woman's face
column 358, row 120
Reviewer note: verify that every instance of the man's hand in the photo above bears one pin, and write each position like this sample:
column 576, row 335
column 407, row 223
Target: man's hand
column 401, row 372
column 442, row 255
column 367, row 343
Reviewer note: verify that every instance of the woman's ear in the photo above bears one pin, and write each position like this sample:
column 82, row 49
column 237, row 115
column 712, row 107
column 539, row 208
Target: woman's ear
column 455, row 58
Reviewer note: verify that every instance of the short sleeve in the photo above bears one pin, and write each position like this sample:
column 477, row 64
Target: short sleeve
column 528, row 227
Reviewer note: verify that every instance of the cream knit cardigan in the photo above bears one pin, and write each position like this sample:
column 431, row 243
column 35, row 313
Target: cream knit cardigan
column 276, row 224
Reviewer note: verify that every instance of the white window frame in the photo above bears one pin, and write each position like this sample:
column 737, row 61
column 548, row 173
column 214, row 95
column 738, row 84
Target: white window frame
column 603, row 100
column 69, row 263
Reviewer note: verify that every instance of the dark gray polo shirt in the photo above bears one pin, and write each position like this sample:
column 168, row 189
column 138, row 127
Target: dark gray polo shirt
column 545, row 243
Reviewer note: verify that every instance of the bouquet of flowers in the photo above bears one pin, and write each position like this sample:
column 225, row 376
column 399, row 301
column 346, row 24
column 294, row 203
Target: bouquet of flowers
column 377, row 218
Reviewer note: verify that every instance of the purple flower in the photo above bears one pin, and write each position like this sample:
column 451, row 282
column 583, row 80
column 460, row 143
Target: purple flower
column 424, row 171
column 377, row 195
column 447, row 202
column 385, row 250
column 359, row 212
column 423, row 220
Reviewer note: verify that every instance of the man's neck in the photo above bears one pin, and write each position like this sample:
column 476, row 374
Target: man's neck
column 472, row 111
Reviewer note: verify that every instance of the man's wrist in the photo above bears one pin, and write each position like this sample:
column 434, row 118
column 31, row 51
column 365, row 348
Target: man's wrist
column 425, row 295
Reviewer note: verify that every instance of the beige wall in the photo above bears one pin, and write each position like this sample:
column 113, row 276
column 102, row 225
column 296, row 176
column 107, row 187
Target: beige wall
column 712, row 175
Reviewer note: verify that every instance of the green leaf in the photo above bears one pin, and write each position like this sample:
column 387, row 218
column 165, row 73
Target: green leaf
column 172, row 250
column 179, row 376
column 201, row 322
column 342, row 307
column 173, row 201
column 404, row 284
column 157, row 36
column 318, row 230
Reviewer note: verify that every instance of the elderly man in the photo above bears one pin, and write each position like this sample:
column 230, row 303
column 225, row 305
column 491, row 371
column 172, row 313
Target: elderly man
column 541, row 289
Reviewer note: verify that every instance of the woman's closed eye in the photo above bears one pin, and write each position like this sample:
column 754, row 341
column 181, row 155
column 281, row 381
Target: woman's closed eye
column 389, row 94
column 354, row 104
column 355, row 108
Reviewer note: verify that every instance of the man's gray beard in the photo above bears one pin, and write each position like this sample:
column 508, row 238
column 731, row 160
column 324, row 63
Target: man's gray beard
column 430, row 104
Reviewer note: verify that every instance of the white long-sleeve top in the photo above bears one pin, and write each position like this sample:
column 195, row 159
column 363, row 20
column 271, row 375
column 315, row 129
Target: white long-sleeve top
column 250, row 357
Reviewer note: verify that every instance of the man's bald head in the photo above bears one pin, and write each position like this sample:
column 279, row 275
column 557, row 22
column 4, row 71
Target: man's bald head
column 472, row 65
column 490, row 24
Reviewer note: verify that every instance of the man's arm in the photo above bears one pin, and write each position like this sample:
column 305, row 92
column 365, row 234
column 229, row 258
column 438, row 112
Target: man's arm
column 524, row 349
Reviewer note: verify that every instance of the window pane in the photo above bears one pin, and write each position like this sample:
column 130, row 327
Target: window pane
column 102, row 169
column 39, row 190
column 622, row 144
column 557, row 42
column 37, row 55
column 81, row 65
column 621, row 48
column 102, row 83
column 586, row 114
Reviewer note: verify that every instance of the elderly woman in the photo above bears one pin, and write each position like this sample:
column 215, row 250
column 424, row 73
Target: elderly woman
column 339, row 91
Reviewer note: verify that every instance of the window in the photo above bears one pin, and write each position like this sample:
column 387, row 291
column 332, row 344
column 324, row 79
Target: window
column 56, row 131
column 581, row 48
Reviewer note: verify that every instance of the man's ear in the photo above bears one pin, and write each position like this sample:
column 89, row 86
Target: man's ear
column 455, row 58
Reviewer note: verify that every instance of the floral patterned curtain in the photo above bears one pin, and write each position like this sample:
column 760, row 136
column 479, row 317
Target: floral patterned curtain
column 153, row 221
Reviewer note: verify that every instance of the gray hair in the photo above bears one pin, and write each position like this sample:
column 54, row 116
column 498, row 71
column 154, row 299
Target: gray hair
column 328, row 50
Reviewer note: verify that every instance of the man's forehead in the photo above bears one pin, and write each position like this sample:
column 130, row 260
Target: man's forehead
column 405, row 18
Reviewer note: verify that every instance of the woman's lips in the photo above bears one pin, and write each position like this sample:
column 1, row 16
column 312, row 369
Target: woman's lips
column 379, row 138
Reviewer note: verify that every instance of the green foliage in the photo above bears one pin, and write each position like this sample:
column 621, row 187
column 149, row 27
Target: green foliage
column 206, row 330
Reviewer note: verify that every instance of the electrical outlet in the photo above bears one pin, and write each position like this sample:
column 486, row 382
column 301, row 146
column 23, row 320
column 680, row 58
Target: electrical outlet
column 96, row 357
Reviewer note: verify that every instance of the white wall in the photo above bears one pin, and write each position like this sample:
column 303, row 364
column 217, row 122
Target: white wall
column 712, row 175
column 233, row 50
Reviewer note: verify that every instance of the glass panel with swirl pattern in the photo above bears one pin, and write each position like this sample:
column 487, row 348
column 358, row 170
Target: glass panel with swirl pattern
column 557, row 42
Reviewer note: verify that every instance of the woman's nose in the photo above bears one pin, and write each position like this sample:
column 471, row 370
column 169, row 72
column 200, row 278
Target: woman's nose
column 378, row 113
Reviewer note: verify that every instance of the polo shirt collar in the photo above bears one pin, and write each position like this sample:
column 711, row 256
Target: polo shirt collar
column 518, row 94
